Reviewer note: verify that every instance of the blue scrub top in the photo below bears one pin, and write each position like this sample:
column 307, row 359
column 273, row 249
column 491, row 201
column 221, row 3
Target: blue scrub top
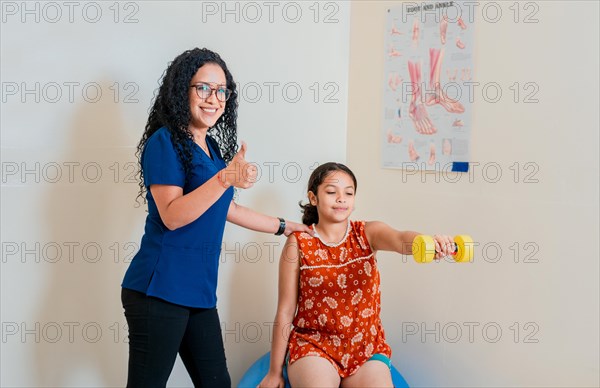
column 181, row 265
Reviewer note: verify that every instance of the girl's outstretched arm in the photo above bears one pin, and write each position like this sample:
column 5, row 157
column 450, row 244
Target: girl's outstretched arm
column 383, row 237
column 289, row 272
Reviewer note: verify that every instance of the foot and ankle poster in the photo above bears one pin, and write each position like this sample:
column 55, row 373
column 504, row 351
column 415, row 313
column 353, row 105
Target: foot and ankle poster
column 428, row 68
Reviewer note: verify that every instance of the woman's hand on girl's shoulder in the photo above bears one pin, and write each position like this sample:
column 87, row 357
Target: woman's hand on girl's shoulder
column 291, row 227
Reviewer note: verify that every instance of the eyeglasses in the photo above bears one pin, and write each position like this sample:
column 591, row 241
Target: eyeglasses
column 204, row 91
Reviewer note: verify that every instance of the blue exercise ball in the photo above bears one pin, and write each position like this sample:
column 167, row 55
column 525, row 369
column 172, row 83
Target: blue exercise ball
column 260, row 368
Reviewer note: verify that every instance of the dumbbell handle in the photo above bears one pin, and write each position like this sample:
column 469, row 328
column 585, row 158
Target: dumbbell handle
column 454, row 252
column 424, row 248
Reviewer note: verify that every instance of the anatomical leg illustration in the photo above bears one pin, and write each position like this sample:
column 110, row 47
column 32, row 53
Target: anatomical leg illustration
column 415, row 31
column 447, row 147
column 431, row 160
column 439, row 97
column 417, row 111
column 412, row 152
column 443, row 28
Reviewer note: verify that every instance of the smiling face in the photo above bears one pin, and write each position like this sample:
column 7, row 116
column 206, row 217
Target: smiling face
column 334, row 198
column 206, row 112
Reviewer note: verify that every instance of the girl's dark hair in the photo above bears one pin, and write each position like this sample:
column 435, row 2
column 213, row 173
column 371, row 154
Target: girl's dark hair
column 171, row 109
column 310, row 215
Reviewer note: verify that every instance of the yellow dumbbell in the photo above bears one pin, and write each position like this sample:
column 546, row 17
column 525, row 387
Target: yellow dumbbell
column 423, row 248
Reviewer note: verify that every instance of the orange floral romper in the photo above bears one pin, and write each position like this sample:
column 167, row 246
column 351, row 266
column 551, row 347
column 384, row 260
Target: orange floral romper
column 338, row 302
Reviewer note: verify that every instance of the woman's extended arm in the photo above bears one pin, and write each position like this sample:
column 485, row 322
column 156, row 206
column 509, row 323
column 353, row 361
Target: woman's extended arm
column 248, row 218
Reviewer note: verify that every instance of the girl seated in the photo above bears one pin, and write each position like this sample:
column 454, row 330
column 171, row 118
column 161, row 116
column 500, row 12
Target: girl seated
column 327, row 328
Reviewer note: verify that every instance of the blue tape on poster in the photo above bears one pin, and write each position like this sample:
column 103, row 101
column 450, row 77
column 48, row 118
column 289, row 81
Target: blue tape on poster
column 460, row 166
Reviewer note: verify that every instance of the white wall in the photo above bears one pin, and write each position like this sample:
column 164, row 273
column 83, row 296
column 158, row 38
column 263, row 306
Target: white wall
column 548, row 308
column 69, row 224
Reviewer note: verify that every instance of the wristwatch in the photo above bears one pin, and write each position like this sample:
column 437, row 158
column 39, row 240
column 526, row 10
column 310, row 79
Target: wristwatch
column 281, row 227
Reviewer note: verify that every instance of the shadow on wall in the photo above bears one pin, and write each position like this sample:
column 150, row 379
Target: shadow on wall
column 95, row 221
column 252, row 297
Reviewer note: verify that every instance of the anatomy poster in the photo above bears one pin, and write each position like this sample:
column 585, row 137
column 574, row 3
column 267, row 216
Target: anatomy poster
column 428, row 71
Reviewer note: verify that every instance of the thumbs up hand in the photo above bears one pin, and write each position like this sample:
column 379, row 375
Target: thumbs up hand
column 239, row 172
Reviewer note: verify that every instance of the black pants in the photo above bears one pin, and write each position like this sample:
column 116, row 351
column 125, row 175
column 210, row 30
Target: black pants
column 158, row 330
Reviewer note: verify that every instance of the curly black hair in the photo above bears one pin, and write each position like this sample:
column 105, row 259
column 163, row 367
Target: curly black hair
column 171, row 109
column 309, row 212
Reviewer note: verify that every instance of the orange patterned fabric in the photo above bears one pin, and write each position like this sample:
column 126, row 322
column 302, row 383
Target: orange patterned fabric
column 338, row 302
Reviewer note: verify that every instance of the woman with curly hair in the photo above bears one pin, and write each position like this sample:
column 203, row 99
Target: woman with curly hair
column 188, row 168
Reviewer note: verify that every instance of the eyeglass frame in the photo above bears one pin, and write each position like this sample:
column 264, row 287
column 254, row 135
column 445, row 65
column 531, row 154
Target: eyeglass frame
column 212, row 91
